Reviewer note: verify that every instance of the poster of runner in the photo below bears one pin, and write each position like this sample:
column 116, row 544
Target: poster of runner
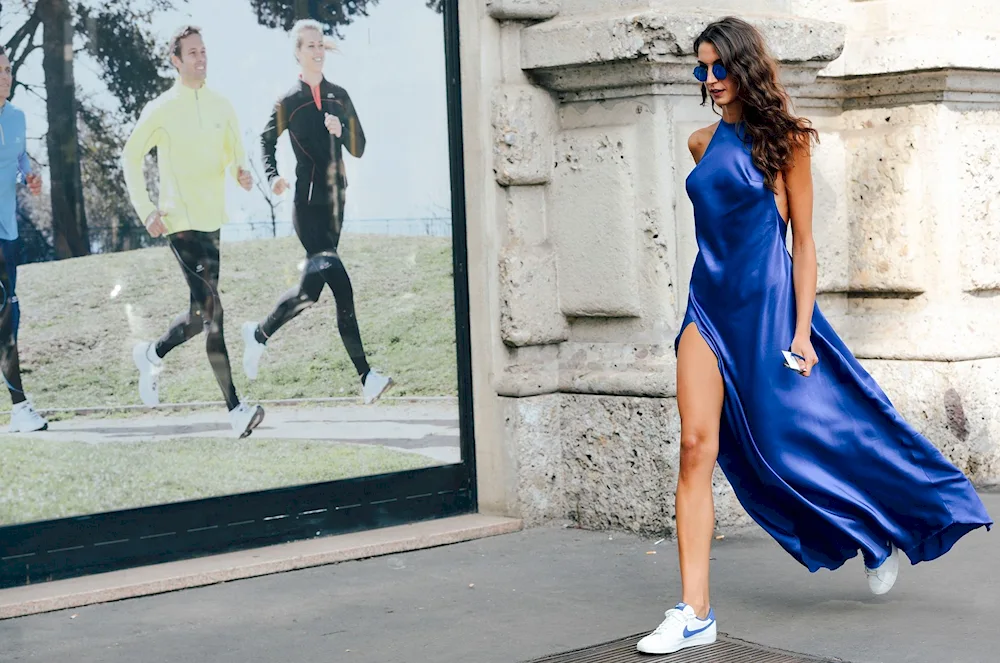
column 226, row 231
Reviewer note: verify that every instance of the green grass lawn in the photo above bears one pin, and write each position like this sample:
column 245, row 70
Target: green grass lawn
column 76, row 338
column 42, row 479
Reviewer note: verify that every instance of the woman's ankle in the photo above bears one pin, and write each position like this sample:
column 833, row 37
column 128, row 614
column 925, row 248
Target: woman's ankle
column 700, row 607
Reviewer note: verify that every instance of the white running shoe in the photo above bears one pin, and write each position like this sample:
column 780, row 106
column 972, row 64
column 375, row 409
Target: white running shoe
column 24, row 419
column 149, row 365
column 253, row 350
column 375, row 385
column 882, row 579
column 244, row 418
column 680, row 629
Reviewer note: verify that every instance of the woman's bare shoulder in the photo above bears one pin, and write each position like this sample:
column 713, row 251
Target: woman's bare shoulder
column 699, row 140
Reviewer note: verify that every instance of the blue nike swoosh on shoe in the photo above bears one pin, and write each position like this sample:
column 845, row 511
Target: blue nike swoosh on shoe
column 689, row 633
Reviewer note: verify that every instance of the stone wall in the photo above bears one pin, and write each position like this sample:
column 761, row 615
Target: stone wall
column 581, row 236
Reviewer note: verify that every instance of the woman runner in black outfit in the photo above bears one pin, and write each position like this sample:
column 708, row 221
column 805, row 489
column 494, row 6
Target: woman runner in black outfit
column 321, row 122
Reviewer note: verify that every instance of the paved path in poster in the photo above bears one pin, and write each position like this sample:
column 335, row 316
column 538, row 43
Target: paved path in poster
column 429, row 428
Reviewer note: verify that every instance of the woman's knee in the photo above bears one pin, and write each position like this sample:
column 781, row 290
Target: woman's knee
column 699, row 447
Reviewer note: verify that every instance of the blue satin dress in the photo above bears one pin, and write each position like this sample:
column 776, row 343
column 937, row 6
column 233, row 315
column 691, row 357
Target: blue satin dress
column 824, row 463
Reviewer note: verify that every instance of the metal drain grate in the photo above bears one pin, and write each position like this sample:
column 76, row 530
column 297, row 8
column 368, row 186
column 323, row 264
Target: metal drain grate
column 725, row 650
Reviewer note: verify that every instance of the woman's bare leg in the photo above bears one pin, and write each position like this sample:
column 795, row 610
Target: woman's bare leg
column 699, row 400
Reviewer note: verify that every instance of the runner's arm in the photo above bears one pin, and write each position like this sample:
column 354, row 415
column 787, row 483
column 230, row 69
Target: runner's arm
column 233, row 145
column 353, row 137
column 139, row 143
column 23, row 162
column 269, row 140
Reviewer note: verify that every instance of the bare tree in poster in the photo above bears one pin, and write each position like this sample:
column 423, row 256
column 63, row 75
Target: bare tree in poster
column 69, row 217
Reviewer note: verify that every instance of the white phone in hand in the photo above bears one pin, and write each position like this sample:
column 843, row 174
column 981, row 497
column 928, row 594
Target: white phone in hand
column 791, row 362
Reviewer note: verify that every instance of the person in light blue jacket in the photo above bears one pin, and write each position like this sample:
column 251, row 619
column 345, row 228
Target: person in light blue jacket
column 15, row 168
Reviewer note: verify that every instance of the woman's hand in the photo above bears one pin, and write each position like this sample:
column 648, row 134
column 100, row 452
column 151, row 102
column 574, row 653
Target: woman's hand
column 802, row 346
column 333, row 125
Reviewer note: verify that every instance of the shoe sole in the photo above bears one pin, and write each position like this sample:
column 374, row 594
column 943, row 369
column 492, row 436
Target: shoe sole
column 246, row 347
column 388, row 385
column 33, row 430
column 255, row 421
column 695, row 641
column 138, row 366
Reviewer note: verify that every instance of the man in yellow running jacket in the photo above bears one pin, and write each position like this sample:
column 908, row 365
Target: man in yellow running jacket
column 197, row 140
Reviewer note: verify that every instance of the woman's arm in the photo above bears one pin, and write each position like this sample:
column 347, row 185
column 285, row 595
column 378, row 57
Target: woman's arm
column 276, row 126
column 353, row 137
column 799, row 187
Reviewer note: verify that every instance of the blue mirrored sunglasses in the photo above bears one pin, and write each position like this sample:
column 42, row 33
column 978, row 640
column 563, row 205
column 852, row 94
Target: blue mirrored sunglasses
column 701, row 72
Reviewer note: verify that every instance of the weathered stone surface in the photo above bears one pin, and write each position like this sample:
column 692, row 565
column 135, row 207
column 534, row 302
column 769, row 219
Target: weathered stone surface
column 663, row 36
column 917, row 87
column 532, row 430
column 949, row 328
column 529, row 371
column 979, row 182
column 526, row 222
column 909, row 35
column 592, row 211
column 522, row 10
column 744, row 6
column 830, row 221
column 529, row 297
column 633, row 369
column 621, row 457
column 955, row 405
column 529, row 292
column 650, row 207
column 524, row 122
column 886, row 186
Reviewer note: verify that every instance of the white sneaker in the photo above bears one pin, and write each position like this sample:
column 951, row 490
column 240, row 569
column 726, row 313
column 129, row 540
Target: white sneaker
column 375, row 385
column 24, row 419
column 882, row 579
column 253, row 350
column 245, row 418
column 149, row 365
column 680, row 629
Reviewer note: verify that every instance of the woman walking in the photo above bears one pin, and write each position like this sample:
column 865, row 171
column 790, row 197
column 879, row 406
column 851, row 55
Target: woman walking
column 813, row 448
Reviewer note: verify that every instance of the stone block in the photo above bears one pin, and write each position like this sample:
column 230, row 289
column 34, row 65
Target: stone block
column 525, row 210
column 522, row 10
column 532, row 432
column 979, row 183
column 886, row 187
column 529, row 371
column 621, row 369
column 664, row 36
column 529, row 297
column 524, row 121
column 830, row 221
column 620, row 457
column 592, row 212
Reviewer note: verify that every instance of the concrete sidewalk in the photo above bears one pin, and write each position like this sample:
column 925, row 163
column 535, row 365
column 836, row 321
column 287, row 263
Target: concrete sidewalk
column 525, row 595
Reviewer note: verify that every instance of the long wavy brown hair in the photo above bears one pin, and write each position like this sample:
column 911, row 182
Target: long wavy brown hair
column 772, row 131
